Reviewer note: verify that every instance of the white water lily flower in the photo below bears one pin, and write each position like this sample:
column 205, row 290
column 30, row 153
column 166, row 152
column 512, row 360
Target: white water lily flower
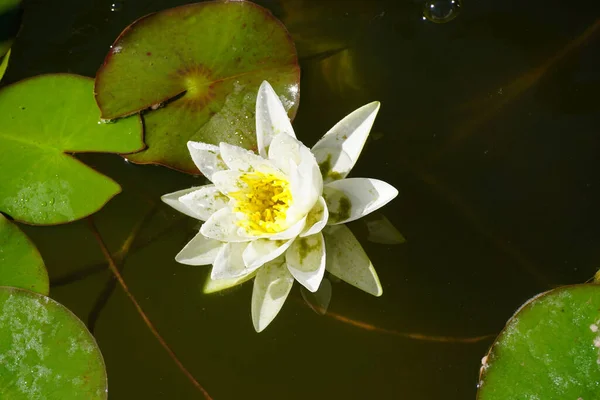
column 277, row 215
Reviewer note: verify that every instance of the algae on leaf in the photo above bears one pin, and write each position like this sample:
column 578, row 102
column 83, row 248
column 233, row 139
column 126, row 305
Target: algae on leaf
column 550, row 349
column 44, row 120
column 46, row 351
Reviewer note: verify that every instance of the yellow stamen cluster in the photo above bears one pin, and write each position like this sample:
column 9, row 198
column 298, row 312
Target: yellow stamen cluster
column 265, row 202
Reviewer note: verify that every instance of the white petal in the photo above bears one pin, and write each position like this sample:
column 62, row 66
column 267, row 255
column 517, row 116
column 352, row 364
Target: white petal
column 229, row 263
column 352, row 198
column 316, row 218
column 223, row 226
column 239, row 159
column 348, row 136
column 217, row 285
column 347, row 260
column 228, row 181
column 172, row 199
column 262, row 251
column 306, row 260
column 271, row 118
column 199, row 251
column 306, row 185
column 283, row 149
column 206, row 157
column 334, row 164
column 272, row 285
column 204, row 202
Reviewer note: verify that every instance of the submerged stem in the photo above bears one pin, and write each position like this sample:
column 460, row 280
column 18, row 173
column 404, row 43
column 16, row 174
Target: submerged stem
column 100, row 267
column 163, row 343
column 410, row 335
column 119, row 259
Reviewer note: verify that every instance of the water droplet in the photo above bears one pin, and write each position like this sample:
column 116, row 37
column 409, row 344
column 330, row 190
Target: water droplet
column 116, row 6
column 441, row 11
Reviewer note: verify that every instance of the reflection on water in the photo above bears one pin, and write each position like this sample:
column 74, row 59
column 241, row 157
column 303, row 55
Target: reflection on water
column 488, row 127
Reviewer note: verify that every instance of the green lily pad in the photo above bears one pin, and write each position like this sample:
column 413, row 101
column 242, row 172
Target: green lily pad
column 45, row 351
column 10, row 22
column 550, row 349
column 197, row 68
column 20, row 262
column 43, row 119
column 4, row 63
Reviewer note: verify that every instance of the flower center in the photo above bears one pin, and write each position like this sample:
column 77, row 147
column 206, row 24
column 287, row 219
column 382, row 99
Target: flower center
column 265, row 203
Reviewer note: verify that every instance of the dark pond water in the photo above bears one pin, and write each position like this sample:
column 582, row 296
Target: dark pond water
column 489, row 128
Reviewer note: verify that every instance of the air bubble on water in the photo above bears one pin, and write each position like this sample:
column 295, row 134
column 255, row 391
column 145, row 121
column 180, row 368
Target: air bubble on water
column 116, row 6
column 441, row 11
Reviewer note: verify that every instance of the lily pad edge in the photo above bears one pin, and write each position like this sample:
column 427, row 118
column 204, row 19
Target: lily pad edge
column 71, row 155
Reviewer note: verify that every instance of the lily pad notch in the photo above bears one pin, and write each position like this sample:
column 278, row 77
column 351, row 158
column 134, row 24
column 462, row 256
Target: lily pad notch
column 45, row 119
column 194, row 72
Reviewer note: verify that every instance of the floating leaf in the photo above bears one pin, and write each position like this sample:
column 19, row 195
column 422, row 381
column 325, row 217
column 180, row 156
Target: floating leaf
column 10, row 21
column 20, row 262
column 204, row 63
column 550, row 349
column 4, row 63
column 45, row 351
column 42, row 119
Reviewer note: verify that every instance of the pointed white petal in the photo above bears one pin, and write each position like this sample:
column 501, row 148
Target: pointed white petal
column 271, row 118
column 334, row 164
column 228, row 181
column 316, row 218
column 306, row 260
column 207, row 158
column 352, row 198
column 223, row 226
column 217, row 285
column 172, row 199
column 204, row 202
column 283, row 149
column 306, row 185
column 319, row 300
column 262, row 251
column 199, row 251
column 348, row 136
column 272, row 285
column 239, row 159
column 229, row 263
column 347, row 260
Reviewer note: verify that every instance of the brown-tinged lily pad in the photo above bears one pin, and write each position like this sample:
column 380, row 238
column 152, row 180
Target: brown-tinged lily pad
column 44, row 120
column 196, row 69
